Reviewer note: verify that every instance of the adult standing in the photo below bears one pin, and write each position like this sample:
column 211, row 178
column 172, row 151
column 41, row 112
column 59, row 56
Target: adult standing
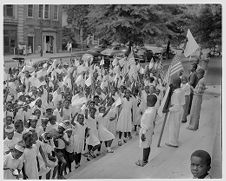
column 193, row 80
column 175, row 112
column 197, row 101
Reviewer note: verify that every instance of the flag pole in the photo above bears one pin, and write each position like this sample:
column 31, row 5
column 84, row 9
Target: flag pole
column 163, row 126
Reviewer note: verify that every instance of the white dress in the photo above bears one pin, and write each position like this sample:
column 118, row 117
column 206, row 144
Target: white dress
column 111, row 125
column 79, row 137
column 136, row 111
column 92, row 139
column 125, row 118
column 103, row 133
column 175, row 116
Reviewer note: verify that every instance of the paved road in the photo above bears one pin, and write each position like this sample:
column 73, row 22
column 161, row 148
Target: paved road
column 164, row 162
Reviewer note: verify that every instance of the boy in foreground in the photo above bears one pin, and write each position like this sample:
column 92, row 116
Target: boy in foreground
column 147, row 129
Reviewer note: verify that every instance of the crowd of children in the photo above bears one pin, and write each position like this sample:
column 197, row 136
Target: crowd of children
column 62, row 112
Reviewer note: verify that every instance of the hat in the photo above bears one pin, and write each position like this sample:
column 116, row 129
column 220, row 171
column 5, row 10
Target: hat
column 68, row 129
column 33, row 117
column 62, row 125
column 49, row 109
column 9, row 129
column 44, row 118
column 19, row 148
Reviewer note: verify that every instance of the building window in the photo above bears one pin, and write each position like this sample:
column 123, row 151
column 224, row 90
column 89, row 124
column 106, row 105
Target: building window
column 8, row 10
column 55, row 12
column 30, row 10
column 46, row 12
column 40, row 11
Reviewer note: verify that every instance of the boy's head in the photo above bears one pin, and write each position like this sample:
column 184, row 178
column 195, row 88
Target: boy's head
column 28, row 139
column 92, row 111
column 19, row 126
column 80, row 118
column 53, row 119
column 61, row 127
column 200, row 163
column 184, row 79
column 102, row 109
column 33, row 121
column 18, row 150
column 9, row 120
column 151, row 100
column 9, row 132
column 44, row 121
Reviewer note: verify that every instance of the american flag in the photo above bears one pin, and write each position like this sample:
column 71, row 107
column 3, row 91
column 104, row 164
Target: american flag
column 175, row 66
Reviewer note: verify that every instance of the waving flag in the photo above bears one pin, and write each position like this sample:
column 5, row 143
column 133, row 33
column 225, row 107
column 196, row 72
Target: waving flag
column 191, row 45
column 175, row 66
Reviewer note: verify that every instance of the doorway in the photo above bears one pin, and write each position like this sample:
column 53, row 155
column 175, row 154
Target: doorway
column 30, row 43
column 49, row 44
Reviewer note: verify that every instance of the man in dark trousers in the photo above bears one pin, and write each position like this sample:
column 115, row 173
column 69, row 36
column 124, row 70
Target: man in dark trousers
column 193, row 80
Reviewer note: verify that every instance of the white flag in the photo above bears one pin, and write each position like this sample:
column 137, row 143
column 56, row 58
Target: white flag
column 191, row 45
column 102, row 62
column 151, row 64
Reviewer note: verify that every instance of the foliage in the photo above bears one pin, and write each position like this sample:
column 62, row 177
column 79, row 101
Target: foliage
column 207, row 25
column 148, row 23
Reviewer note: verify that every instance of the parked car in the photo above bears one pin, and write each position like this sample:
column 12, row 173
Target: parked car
column 115, row 50
column 142, row 54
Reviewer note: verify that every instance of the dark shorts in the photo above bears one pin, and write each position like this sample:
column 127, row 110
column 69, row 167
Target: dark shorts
column 60, row 154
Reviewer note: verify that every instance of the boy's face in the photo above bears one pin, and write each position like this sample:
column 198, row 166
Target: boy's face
column 69, row 133
column 33, row 123
column 20, row 127
column 10, row 135
column 92, row 112
column 60, row 129
column 8, row 120
column 53, row 120
column 80, row 118
column 44, row 123
column 198, row 167
column 102, row 110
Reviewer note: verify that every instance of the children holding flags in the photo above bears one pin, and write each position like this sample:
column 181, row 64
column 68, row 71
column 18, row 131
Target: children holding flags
column 87, row 110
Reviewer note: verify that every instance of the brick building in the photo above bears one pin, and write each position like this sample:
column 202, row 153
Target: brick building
column 34, row 27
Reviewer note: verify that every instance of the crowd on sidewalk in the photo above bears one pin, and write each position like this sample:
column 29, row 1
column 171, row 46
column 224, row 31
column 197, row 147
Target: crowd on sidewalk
column 61, row 112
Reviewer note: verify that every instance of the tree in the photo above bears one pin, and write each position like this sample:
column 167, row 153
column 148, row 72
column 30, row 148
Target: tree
column 135, row 23
column 208, row 25
column 77, row 18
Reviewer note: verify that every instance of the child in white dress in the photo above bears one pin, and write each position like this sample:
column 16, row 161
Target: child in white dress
column 124, row 124
column 79, row 138
column 92, row 140
column 104, row 134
